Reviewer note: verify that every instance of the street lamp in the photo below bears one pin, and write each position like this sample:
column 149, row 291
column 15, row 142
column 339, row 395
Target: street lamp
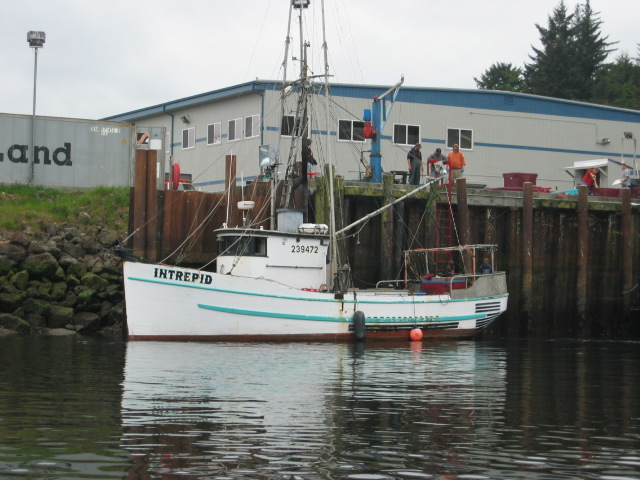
column 36, row 41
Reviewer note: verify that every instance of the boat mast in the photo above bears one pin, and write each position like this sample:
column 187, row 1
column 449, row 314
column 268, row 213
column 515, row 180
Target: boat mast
column 299, row 128
column 287, row 43
column 283, row 95
column 333, row 246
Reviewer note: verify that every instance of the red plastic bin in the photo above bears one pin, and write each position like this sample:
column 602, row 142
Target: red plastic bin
column 518, row 179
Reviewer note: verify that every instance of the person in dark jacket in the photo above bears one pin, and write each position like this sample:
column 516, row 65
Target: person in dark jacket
column 485, row 268
column 414, row 159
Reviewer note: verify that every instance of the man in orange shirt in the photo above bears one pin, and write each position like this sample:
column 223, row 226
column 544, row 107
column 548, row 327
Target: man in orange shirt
column 456, row 163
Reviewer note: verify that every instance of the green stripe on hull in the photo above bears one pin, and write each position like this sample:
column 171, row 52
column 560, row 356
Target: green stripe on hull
column 322, row 318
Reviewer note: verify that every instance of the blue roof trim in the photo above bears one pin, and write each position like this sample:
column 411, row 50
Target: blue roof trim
column 249, row 87
column 480, row 99
column 495, row 100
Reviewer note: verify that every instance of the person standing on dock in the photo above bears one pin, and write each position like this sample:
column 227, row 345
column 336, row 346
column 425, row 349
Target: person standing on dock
column 626, row 181
column 590, row 179
column 456, row 163
column 414, row 159
column 435, row 163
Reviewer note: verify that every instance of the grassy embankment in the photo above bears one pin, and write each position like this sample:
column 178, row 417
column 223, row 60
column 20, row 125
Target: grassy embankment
column 30, row 208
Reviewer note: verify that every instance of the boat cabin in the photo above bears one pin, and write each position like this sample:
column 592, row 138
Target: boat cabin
column 297, row 259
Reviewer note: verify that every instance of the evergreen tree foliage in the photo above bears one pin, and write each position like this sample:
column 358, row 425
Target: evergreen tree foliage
column 571, row 63
column 501, row 76
column 554, row 65
column 618, row 84
column 591, row 51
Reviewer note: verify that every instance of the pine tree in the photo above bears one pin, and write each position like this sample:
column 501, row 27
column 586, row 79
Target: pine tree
column 618, row 84
column 591, row 51
column 571, row 63
column 501, row 76
column 555, row 63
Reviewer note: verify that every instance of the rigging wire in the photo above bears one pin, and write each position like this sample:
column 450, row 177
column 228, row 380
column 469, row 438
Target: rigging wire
column 255, row 47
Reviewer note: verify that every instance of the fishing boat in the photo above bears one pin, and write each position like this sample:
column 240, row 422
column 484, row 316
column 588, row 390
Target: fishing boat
column 283, row 282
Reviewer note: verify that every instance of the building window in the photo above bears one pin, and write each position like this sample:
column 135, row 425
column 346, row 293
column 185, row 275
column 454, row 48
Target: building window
column 464, row 138
column 251, row 126
column 290, row 127
column 214, row 133
column 406, row 134
column 235, row 129
column 189, row 138
column 351, row 130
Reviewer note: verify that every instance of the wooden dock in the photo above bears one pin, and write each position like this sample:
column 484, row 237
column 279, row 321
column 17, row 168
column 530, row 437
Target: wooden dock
column 572, row 262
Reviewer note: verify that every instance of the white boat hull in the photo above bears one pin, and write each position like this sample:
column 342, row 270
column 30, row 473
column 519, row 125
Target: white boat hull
column 173, row 303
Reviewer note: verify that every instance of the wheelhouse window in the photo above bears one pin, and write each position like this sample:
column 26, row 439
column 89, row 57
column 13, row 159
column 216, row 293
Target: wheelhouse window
column 235, row 129
column 243, row 245
column 214, row 133
column 189, row 138
column 351, row 130
column 406, row 134
column 251, row 126
column 464, row 138
column 290, row 127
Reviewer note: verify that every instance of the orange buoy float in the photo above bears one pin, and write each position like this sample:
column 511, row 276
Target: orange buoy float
column 415, row 334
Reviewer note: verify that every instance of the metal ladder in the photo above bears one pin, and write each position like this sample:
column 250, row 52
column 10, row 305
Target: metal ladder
column 444, row 234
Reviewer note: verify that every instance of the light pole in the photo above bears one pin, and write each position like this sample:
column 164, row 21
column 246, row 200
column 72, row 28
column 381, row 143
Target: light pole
column 36, row 41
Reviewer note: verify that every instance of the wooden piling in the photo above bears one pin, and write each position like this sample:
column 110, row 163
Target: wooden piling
column 627, row 246
column 463, row 220
column 399, row 236
column 386, row 229
column 152, row 232
column 582, row 257
column 145, row 206
column 527, row 246
column 140, row 203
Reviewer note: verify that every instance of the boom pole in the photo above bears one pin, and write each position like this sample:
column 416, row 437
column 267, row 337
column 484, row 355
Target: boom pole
column 379, row 117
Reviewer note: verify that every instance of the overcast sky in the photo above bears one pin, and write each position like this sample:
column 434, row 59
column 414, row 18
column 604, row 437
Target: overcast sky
column 103, row 58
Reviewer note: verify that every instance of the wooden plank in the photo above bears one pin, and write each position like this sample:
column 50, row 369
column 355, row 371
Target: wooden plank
column 151, row 201
column 140, row 204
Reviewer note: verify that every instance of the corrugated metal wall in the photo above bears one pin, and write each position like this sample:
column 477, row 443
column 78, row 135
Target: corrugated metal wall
column 70, row 153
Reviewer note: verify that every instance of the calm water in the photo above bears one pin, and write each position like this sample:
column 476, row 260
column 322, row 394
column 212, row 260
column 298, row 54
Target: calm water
column 96, row 409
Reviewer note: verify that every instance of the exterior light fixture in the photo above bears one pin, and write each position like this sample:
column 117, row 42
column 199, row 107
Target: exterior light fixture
column 185, row 119
column 300, row 3
column 605, row 141
column 36, row 39
column 628, row 135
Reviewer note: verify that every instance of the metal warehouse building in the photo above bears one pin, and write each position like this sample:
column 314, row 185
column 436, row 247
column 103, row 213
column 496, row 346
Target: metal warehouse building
column 498, row 132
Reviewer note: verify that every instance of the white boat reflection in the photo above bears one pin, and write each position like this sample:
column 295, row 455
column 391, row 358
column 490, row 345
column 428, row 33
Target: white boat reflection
column 212, row 409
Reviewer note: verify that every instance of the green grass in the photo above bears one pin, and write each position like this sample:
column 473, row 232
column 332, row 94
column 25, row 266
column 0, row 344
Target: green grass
column 23, row 207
